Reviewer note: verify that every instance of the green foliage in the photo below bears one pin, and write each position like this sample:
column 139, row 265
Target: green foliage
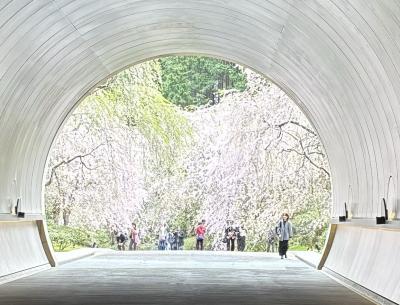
column 310, row 227
column 195, row 80
column 162, row 125
column 133, row 97
column 148, row 246
column 297, row 247
column 65, row 238
column 190, row 243
column 185, row 218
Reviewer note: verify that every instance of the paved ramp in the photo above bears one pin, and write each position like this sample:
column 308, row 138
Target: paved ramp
column 184, row 278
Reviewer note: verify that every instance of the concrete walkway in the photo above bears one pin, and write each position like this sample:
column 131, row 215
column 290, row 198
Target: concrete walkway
column 309, row 257
column 185, row 278
column 70, row 256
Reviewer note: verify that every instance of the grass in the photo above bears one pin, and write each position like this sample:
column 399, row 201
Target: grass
column 298, row 248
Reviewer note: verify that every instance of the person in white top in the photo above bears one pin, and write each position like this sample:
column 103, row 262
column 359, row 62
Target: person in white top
column 162, row 236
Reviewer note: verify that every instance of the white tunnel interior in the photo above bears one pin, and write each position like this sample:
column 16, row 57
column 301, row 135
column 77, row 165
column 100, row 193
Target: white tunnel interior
column 338, row 60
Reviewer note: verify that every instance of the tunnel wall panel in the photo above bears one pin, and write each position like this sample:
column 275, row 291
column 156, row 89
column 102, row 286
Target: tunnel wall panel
column 368, row 257
column 20, row 247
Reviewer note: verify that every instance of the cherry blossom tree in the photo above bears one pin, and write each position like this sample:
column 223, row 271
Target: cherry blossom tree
column 127, row 154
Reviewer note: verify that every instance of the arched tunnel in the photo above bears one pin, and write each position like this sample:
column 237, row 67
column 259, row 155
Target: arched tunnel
column 338, row 60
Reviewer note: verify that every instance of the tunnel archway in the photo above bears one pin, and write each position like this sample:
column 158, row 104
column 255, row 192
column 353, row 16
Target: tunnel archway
column 338, row 61
column 248, row 104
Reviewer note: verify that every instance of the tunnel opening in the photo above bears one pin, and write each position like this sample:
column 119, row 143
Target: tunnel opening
column 177, row 139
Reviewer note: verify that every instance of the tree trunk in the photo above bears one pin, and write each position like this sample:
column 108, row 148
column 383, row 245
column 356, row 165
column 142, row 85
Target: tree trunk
column 66, row 214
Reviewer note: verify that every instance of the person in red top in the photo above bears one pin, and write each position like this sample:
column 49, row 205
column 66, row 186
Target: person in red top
column 200, row 234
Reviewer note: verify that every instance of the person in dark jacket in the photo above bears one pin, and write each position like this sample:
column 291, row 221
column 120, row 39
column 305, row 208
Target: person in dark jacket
column 230, row 236
column 121, row 240
column 241, row 238
column 180, row 239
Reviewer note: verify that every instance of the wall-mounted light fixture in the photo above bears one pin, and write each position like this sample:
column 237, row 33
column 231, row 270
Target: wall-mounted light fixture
column 17, row 206
column 380, row 220
column 346, row 214
column 346, row 211
column 391, row 207
column 383, row 219
column 17, row 209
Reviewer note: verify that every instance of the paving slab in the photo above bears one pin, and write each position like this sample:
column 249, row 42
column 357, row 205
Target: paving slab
column 180, row 278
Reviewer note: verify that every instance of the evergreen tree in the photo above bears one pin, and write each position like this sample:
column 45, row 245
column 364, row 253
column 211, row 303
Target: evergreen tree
column 196, row 80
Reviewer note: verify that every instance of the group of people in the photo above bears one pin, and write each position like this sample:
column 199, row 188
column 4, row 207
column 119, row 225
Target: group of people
column 174, row 240
column 168, row 240
column 122, row 238
column 282, row 233
column 234, row 234
column 231, row 234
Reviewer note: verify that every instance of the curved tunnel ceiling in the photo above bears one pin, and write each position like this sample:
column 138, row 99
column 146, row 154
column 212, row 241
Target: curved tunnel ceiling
column 338, row 60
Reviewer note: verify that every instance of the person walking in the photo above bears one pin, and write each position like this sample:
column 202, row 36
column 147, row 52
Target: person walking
column 241, row 238
column 162, row 236
column 181, row 239
column 134, row 237
column 200, row 235
column 230, row 236
column 170, row 240
column 284, row 231
column 271, row 240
